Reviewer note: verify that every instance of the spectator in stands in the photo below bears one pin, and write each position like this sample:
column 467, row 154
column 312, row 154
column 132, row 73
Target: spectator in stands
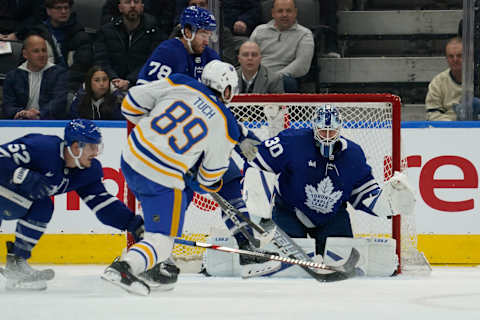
column 255, row 78
column 162, row 10
column 37, row 88
column 286, row 46
column 124, row 44
column 19, row 15
column 240, row 17
column 98, row 99
column 70, row 46
column 445, row 90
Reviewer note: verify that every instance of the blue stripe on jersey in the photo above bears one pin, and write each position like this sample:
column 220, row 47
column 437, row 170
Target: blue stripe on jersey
column 146, row 152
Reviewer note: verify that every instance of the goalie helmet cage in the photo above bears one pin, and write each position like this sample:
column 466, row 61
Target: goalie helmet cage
column 371, row 120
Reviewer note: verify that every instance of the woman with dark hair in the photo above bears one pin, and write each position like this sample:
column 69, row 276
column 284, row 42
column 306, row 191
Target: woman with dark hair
column 97, row 99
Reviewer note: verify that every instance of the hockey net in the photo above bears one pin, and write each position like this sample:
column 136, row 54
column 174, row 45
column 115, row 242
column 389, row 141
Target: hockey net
column 371, row 120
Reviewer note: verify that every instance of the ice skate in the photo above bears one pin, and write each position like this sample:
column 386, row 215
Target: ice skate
column 21, row 276
column 162, row 276
column 119, row 273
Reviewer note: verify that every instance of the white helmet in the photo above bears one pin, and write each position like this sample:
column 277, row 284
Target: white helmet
column 219, row 75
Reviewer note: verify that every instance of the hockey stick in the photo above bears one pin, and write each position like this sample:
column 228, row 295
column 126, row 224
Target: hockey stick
column 287, row 246
column 352, row 260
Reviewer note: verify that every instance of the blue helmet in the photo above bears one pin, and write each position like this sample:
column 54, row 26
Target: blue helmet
column 82, row 131
column 326, row 128
column 198, row 18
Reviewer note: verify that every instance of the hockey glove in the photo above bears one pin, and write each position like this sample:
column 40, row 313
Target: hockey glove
column 249, row 148
column 33, row 184
column 136, row 228
column 193, row 184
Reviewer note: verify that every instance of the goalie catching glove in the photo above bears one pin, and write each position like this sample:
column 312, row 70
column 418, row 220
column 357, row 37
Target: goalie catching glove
column 396, row 197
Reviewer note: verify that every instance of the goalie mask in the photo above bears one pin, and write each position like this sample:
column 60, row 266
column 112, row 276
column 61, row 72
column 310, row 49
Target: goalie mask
column 326, row 128
column 218, row 76
column 88, row 136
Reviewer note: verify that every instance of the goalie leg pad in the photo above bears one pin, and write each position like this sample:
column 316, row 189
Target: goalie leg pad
column 258, row 190
column 377, row 255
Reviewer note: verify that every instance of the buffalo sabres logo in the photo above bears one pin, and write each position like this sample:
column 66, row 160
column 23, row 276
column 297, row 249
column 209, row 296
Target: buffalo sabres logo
column 323, row 198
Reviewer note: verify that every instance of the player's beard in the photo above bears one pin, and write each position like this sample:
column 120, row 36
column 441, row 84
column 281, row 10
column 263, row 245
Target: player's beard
column 132, row 16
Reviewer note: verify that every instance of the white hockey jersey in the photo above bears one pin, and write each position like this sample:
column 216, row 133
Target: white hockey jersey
column 180, row 124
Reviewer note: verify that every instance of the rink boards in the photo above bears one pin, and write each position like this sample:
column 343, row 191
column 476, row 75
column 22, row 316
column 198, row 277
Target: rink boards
column 443, row 168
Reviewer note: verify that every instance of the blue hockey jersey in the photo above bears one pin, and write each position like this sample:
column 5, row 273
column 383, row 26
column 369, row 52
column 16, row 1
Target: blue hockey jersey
column 315, row 185
column 44, row 154
column 172, row 57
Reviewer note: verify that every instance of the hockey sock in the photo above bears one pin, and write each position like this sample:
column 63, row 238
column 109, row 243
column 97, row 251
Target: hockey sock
column 27, row 234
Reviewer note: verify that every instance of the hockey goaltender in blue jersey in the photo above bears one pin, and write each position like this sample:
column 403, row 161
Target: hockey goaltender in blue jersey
column 317, row 186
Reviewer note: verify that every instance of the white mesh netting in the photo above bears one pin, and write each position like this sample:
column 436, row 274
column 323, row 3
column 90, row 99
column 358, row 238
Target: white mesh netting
column 373, row 121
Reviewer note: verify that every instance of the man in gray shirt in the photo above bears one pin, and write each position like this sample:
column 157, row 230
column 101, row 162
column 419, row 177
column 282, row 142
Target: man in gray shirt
column 286, row 46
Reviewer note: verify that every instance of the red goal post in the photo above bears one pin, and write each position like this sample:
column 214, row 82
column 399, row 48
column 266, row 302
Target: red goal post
column 372, row 120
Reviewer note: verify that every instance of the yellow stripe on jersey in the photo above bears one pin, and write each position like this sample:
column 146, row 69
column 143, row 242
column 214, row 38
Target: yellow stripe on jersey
column 211, row 175
column 148, row 163
column 160, row 153
column 173, row 84
column 147, row 251
column 176, row 213
column 130, row 108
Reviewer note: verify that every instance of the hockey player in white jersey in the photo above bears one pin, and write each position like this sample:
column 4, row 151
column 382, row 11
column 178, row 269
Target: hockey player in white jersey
column 182, row 126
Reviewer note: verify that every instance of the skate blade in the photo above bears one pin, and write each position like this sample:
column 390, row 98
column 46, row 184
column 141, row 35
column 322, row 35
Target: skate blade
column 136, row 287
column 18, row 285
column 156, row 286
column 42, row 275
column 257, row 270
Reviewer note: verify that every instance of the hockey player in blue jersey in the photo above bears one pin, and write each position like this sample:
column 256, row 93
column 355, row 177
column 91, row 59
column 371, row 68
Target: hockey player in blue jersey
column 35, row 167
column 319, row 171
column 182, row 126
column 188, row 53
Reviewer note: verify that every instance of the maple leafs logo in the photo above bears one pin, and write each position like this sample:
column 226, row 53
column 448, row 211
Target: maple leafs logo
column 323, row 198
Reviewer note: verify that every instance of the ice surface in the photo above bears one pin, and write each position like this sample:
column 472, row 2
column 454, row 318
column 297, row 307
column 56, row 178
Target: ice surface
column 77, row 292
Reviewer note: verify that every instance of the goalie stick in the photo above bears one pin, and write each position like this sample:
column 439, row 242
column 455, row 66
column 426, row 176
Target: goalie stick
column 287, row 246
column 347, row 267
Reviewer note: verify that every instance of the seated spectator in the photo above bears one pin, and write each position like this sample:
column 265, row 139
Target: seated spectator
column 19, row 15
column 253, row 77
column 70, row 45
column 162, row 10
column 286, row 46
column 240, row 17
column 97, row 99
column 37, row 88
column 124, row 44
column 445, row 90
